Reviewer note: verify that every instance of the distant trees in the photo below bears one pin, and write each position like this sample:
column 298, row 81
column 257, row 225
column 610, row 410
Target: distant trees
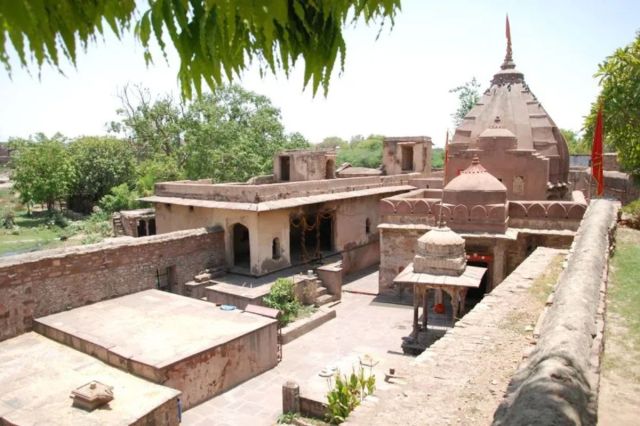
column 99, row 164
column 468, row 96
column 576, row 144
column 228, row 135
column 620, row 98
column 42, row 170
column 362, row 152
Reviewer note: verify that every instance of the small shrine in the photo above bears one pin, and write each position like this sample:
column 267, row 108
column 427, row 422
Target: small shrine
column 439, row 264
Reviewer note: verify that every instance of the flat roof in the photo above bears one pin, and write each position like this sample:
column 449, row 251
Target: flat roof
column 276, row 204
column 37, row 376
column 471, row 277
column 154, row 327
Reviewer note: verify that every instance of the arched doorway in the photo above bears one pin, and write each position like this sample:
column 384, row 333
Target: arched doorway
column 330, row 170
column 241, row 247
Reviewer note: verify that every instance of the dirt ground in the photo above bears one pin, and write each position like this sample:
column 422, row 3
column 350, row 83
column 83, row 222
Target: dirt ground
column 619, row 400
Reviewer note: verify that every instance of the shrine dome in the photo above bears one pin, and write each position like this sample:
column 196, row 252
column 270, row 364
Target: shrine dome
column 441, row 252
column 474, row 186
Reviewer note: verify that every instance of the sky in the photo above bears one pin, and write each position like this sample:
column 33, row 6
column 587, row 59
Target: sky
column 397, row 85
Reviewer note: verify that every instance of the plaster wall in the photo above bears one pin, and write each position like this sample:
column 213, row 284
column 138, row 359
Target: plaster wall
column 306, row 165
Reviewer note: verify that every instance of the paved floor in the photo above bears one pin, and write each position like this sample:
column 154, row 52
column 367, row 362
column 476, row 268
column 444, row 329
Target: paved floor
column 363, row 325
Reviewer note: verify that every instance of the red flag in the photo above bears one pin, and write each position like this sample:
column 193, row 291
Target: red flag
column 596, row 155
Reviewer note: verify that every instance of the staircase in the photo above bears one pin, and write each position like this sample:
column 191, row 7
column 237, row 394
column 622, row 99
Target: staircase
column 118, row 229
column 204, row 279
column 322, row 295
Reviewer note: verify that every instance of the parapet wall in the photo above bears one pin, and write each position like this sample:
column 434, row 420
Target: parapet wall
column 269, row 192
column 51, row 281
column 558, row 384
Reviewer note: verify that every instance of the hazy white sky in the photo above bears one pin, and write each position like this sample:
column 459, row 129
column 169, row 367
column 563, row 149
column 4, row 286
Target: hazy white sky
column 398, row 85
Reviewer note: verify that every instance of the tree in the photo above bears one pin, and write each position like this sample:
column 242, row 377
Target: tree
column 468, row 97
column 620, row 98
column 575, row 143
column 332, row 142
column 42, row 170
column 100, row 163
column 213, row 39
column 362, row 152
column 228, row 135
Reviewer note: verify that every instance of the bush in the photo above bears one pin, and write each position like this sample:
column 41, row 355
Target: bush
column 633, row 210
column 55, row 218
column 120, row 198
column 8, row 218
column 347, row 393
column 282, row 297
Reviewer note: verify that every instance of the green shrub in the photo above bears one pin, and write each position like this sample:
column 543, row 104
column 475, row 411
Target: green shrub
column 282, row 297
column 347, row 393
column 120, row 198
column 633, row 209
column 287, row 418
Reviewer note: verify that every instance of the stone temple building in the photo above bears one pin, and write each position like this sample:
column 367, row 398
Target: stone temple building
column 515, row 139
column 505, row 187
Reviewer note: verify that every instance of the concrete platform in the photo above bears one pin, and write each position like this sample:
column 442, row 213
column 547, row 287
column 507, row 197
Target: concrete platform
column 37, row 376
column 173, row 340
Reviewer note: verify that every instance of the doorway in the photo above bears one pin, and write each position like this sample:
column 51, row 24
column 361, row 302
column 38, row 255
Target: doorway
column 241, row 247
column 311, row 235
column 285, row 167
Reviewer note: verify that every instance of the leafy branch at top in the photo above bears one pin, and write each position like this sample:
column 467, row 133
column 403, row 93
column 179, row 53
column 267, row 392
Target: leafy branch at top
column 214, row 39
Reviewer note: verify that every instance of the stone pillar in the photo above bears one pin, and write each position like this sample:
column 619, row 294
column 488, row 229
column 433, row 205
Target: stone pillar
column 290, row 397
column 498, row 264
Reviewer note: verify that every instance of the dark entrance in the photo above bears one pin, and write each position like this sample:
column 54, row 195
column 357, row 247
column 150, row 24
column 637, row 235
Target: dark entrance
column 311, row 235
column 474, row 295
column 152, row 226
column 285, row 167
column 407, row 158
column 142, row 228
column 241, row 247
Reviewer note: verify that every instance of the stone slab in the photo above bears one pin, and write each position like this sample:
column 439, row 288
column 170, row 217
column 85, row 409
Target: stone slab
column 171, row 339
column 38, row 374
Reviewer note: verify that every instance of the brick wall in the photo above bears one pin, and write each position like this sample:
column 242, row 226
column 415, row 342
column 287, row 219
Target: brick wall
column 50, row 281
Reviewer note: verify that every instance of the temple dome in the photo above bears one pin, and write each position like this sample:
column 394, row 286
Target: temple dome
column 474, row 178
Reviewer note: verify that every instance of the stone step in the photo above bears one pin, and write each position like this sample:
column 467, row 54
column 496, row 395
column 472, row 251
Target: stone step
column 203, row 277
column 324, row 299
column 320, row 291
column 217, row 271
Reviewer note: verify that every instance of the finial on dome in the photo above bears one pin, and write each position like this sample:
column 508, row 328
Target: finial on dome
column 508, row 58
column 475, row 160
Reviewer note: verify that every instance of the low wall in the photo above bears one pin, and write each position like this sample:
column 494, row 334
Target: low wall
column 355, row 259
column 51, row 281
column 558, row 383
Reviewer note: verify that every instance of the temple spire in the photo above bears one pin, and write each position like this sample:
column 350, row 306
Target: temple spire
column 508, row 58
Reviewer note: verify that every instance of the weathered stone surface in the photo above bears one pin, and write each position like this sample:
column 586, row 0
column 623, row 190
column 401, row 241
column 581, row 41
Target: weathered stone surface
column 50, row 281
column 555, row 386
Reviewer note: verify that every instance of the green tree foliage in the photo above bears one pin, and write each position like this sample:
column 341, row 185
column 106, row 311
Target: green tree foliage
column 120, row 197
column 468, row 96
column 362, row 152
column 213, row 39
column 42, row 170
column 576, row 144
column 158, row 169
column 437, row 158
column 332, row 142
column 228, row 135
column 100, row 163
column 620, row 97
column 282, row 297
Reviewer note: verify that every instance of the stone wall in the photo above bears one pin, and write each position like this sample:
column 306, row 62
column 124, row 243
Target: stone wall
column 558, row 383
column 51, row 281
